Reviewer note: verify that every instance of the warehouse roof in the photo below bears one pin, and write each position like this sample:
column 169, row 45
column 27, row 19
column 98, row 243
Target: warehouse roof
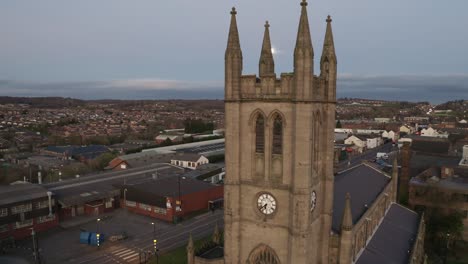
column 169, row 186
column 10, row 194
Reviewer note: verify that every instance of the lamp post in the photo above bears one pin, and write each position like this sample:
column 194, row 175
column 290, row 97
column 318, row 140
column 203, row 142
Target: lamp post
column 155, row 242
column 447, row 248
column 179, row 201
column 97, row 225
column 37, row 259
column 125, row 199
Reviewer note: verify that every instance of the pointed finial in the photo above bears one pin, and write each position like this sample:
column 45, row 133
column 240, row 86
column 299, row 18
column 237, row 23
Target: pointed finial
column 233, row 12
column 329, row 20
column 216, row 234
column 190, row 242
column 347, row 221
column 304, row 3
column 395, row 167
column 266, row 63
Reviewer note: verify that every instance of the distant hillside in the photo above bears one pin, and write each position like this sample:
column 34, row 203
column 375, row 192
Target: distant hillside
column 39, row 102
column 458, row 105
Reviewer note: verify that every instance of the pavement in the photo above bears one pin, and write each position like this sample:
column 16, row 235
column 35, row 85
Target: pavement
column 62, row 245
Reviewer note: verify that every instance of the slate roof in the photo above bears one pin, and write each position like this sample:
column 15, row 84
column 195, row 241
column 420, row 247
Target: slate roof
column 394, row 238
column 430, row 144
column 103, row 185
column 217, row 147
column 421, row 161
column 88, row 152
column 205, row 171
column 364, row 184
column 10, row 194
column 187, row 156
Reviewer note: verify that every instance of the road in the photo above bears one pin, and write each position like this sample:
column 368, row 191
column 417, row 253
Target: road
column 129, row 251
column 368, row 155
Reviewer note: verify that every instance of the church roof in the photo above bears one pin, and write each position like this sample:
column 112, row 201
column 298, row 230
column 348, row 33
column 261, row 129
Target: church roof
column 394, row 238
column 364, row 183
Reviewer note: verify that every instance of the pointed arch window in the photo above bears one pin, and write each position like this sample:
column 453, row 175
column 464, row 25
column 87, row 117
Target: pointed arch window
column 277, row 135
column 260, row 135
column 263, row 255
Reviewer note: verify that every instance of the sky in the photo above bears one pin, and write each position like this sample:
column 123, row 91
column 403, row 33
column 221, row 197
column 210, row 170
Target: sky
column 398, row 50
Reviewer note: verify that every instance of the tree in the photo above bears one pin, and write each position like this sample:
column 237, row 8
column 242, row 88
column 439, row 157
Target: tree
column 197, row 126
column 102, row 161
column 338, row 124
column 167, row 142
column 442, row 229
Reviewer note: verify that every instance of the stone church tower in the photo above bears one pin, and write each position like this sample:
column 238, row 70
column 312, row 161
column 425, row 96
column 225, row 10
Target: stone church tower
column 279, row 153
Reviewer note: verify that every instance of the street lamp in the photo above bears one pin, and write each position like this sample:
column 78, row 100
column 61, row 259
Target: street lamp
column 155, row 242
column 179, row 201
column 37, row 259
column 97, row 225
column 125, row 199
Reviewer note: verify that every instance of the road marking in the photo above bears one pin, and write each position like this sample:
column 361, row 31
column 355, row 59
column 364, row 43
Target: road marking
column 132, row 259
column 131, row 256
column 117, row 252
column 122, row 252
column 121, row 255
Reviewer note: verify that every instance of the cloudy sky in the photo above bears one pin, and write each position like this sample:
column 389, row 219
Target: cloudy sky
column 407, row 50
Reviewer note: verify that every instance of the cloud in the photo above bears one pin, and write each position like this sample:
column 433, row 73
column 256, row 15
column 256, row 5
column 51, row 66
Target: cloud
column 432, row 88
column 116, row 89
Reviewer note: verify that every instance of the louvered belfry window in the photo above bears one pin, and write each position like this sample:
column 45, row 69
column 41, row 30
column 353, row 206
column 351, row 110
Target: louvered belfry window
column 260, row 135
column 278, row 135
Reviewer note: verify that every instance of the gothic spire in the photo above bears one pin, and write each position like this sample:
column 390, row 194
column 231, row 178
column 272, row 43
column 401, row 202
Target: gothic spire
column 347, row 221
column 266, row 64
column 304, row 40
column 303, row 59
column 233, row 38
column 233, row 61
column 328, row 43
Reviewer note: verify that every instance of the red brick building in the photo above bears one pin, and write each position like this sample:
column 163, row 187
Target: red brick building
column 170, row 198
column 24, row 207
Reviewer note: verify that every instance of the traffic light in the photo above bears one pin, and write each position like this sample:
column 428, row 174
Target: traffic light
column 155, row 245
column 98, row 239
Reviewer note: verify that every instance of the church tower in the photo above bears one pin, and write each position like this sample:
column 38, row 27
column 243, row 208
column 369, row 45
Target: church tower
column 279, row 153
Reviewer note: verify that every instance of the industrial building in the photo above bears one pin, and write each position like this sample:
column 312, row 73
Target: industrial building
column 24, row 207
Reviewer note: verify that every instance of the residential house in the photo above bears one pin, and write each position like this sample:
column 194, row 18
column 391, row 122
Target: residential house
column 173, row 138
column 406, row 129
column 358, row 142
column 189, row 160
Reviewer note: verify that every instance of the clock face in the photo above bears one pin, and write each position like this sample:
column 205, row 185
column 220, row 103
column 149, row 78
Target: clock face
column 313, row 201
column 266, row 203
